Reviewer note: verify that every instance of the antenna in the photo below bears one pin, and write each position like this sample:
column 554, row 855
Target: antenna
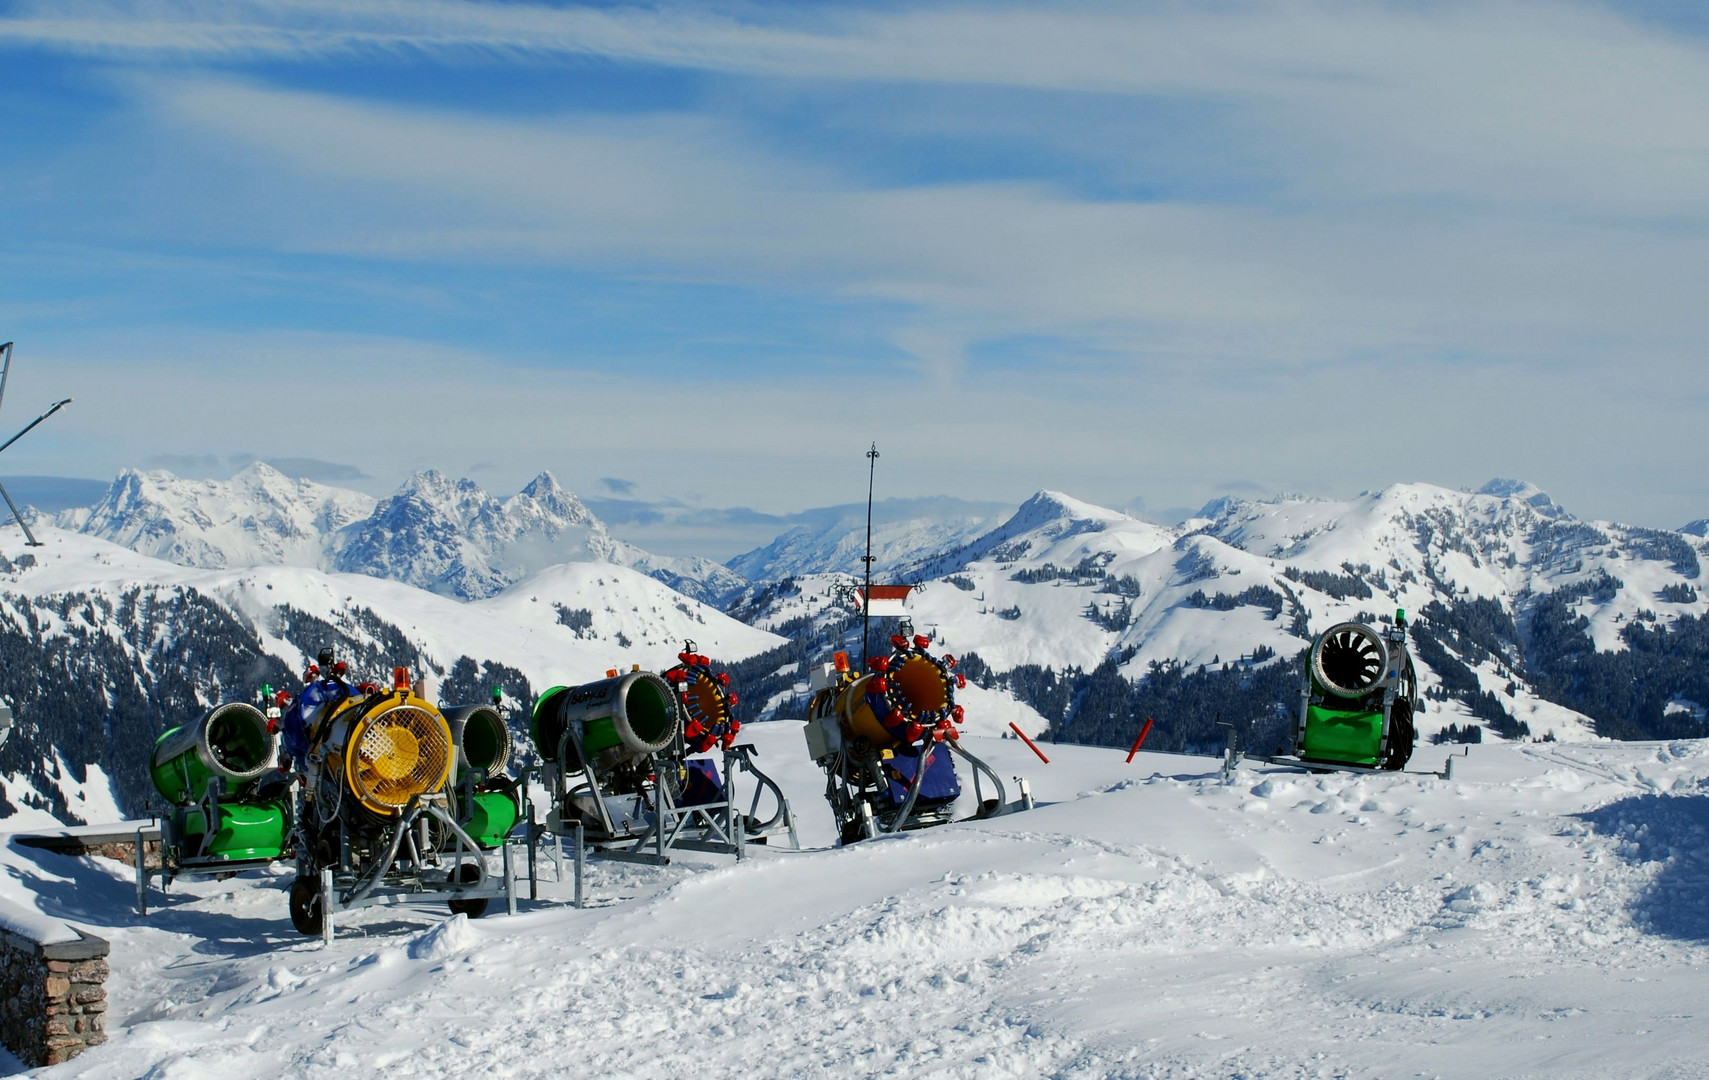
column 5, row 372
column 866, row 597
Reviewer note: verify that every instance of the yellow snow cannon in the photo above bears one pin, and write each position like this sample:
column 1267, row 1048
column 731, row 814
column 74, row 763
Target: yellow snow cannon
column 376, row 821
column 886, row 740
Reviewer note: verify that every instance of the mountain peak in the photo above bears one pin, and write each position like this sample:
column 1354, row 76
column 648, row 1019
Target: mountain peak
column 1526, row 492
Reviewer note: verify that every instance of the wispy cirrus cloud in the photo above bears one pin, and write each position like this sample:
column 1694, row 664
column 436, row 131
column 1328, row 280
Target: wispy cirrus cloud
column 1212, row 219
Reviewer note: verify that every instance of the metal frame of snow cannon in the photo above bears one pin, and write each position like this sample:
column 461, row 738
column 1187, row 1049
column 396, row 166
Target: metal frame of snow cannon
column 216, row 800
column 707, row 723
column 363, row 848
column 740, row 758
column 587, row 800
column 1358, row 697
column 414, row 868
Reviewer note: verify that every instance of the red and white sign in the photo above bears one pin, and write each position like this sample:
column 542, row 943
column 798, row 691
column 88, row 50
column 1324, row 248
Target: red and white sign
column 887, row 600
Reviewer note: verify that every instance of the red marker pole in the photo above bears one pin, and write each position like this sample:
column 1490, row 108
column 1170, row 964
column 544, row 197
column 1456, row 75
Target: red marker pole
column 1137, row 743
column 1029, row 742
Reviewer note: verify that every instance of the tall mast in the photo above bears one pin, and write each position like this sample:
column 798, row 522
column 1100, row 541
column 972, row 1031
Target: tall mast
column 866, row 597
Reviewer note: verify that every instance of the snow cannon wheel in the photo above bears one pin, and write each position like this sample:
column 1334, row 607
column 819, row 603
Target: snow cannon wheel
column 306, row 915
column 1402, row 736
column 474, row 909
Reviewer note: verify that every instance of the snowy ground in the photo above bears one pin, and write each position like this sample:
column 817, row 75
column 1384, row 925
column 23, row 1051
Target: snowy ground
column 1543, row 914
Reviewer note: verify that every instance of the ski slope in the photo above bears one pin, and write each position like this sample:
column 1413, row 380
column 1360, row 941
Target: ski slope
column 1539, row 915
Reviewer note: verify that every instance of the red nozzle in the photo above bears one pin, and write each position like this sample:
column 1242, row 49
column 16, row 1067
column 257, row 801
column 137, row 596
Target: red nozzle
column 922, row 641
column 949, row 661
column 961, row 682
column 913, row 732
column 880, row 685
column 879, row 663
column 733, row 700
column 723, row 678
column 899, row 641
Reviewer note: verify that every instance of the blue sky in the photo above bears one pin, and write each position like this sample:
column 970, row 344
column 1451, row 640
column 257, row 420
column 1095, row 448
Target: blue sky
column 1163, row 250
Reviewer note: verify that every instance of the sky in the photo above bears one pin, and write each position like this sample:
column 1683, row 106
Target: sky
column 1148, row 253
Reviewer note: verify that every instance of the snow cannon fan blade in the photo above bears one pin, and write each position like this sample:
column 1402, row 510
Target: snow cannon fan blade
column 231, row 742
column 1348, row 660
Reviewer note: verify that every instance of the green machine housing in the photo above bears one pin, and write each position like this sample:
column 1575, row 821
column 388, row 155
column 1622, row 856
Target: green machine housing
column 218, row 774
column 1358, row 697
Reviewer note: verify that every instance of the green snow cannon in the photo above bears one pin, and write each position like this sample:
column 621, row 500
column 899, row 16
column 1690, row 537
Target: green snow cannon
column 231, row 742
column 621, row 718
column 1358, row 697
column 488, row 801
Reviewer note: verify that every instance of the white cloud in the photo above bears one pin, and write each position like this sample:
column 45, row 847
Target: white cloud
column 1472, row 225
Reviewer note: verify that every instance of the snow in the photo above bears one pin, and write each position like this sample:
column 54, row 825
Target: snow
column 1539, row 915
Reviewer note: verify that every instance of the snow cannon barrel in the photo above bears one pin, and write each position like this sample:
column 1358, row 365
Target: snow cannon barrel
column 390, row 748
column 231, row 742
column 1348, row 661
column 615, row 720
column 482, row 740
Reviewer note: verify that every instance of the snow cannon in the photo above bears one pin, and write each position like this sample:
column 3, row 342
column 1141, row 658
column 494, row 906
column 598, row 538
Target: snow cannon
column 377, row 820
column 605, row 725
column 233, row 742
column 488, row 800
column 1358, row 697
column 230, row 810
column 886, row 741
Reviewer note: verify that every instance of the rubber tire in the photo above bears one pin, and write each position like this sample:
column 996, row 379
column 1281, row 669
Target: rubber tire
column 474, row 909
column 305, row 906
column 1402, row 736
column 853, row 833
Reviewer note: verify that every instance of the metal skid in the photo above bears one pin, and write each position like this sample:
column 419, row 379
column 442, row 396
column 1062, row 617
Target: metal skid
column 646, row 824
column 648, row 827
column 174, row 864
column 1233, row 755
column 414, row 867
column 854, row 783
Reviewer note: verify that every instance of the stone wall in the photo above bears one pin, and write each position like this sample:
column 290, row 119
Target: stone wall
column 53, row 998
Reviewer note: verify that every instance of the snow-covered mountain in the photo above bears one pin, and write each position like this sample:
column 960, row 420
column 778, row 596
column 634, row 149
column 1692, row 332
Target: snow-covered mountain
column 1510, row 596
column 447, row 536
column 101, row 648
column 258, row 517
column 903, row 531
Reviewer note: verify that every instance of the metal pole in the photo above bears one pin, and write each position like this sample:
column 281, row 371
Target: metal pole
column 326, row 904
column 509, row 878
column 866, row 597
column 581, row 861
column 141, row 859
